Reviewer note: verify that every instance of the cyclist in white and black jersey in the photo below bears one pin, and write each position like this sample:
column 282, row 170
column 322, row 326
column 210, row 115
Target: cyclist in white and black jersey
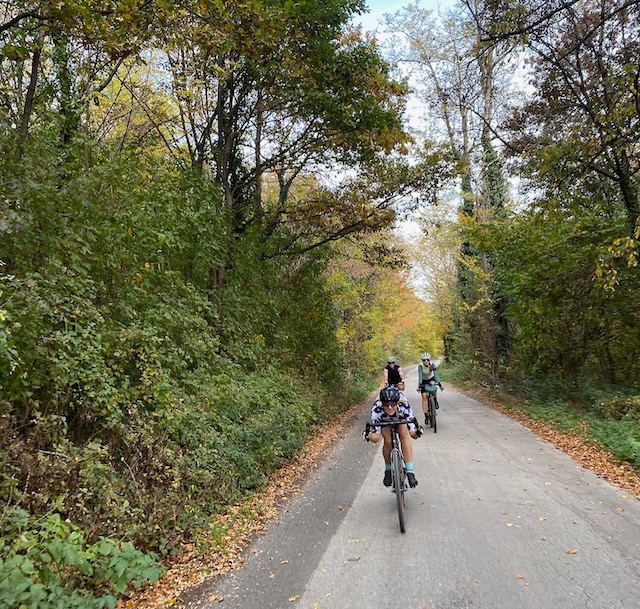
column 388, row 405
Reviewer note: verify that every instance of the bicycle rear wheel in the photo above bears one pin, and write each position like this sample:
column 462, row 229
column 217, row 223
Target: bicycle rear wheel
column 397, row 471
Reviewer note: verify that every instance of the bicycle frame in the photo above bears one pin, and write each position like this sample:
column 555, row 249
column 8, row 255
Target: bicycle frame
column 432, row 402
column 399, row 483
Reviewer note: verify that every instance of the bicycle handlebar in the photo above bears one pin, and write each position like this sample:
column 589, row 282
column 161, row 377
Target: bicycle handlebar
column 392, row 421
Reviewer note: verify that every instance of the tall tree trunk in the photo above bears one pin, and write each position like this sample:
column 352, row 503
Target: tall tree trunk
column 28, row 104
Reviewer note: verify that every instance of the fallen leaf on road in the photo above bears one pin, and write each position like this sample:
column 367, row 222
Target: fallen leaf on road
column 354, row 558
column 284, row 562
column 571, row 551
column 293, row 599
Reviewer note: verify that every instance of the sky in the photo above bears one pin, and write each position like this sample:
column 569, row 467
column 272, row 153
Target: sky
column 377, row 8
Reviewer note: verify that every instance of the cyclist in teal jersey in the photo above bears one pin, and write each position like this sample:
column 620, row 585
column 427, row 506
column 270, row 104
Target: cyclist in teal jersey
column 428, row 381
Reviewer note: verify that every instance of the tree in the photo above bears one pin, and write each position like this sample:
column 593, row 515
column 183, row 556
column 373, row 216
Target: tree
column 464, row 80
column 583, row 119
column 56, row 56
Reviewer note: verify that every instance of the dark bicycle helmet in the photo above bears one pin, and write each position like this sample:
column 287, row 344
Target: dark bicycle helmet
column 390, row 394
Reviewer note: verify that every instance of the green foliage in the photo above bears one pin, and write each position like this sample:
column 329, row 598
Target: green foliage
column 46, row 562
column 137, row 400
column 546, row 266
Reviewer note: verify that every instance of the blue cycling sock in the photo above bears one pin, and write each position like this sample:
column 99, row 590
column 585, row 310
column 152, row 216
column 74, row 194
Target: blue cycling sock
column 409, row 466
column 387, row 467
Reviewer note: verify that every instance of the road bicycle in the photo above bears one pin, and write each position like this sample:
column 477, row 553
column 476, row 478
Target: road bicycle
column 399, row 482
column 432, row 409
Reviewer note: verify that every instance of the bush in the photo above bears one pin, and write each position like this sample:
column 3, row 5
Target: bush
column 46, row 562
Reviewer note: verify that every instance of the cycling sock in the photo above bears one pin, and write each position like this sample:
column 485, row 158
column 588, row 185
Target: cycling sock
column 387, row 467
column 409, row 466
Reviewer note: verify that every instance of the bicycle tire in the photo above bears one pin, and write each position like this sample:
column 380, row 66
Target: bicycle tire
column 397, row 472
column 431, row 409
column 434, row 418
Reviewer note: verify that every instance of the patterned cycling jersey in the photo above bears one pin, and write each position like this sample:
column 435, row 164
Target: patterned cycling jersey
column 404, row 413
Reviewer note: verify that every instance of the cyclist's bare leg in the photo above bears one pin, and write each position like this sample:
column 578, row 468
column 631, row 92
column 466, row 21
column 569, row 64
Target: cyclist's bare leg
column 405, row 442
column 386, row 446
column 425, row 402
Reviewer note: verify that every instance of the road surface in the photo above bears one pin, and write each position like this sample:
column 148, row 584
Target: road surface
column 500, row 519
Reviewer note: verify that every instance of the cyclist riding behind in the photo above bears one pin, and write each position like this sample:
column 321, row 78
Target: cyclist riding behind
column 390, row 404
column 428, row 382
column 393, row 374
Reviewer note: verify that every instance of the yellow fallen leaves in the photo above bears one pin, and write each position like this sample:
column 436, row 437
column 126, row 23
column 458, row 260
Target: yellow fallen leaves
column 293, row 599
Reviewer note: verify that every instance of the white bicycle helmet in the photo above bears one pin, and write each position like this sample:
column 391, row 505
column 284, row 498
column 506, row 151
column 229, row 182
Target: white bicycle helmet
column 391, row 360
column 425, row 356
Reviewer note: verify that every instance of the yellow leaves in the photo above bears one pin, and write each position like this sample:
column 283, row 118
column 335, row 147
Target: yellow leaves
column 624, row 249
column 571, row 551
column 293, row 599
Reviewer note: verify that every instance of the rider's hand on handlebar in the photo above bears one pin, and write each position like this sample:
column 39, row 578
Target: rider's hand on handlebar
column 366, row 432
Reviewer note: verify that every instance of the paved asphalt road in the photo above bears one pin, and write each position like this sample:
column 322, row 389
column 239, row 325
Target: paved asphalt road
column 500, row 520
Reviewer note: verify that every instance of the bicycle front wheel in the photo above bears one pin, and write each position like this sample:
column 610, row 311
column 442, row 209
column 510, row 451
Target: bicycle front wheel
column 435, row 418
column 432, row 413
column 397, row 471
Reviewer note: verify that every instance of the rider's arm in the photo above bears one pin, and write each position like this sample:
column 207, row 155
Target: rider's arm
column 386, row 376
column 419, row 374
column 436, row 378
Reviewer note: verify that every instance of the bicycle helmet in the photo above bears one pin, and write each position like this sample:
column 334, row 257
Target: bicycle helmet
column 391, row 360
column 425, row 356
column 390, row 394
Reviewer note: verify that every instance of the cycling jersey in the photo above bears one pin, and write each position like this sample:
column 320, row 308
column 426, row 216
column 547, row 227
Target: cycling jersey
column 393, row 376
column 404, row 413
